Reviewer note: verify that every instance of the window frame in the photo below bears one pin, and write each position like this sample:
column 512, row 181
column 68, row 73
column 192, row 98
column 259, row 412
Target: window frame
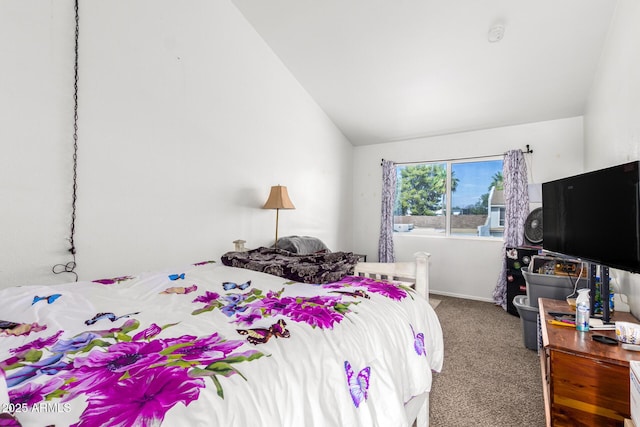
column 448, row 208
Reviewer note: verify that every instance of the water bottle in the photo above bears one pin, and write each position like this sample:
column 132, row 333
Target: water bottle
column 583, row 308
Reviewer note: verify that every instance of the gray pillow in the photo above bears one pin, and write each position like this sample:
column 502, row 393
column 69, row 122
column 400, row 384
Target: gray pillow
column 302, row 245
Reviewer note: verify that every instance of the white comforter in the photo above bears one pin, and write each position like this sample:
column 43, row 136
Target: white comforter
column 209, row 345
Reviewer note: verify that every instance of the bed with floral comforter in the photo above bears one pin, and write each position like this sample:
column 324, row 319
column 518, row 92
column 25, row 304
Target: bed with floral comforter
column 211, row 345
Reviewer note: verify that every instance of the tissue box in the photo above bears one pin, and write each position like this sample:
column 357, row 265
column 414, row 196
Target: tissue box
column 627, row 332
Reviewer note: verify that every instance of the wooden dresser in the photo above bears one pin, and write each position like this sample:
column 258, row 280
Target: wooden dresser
column 585, row 382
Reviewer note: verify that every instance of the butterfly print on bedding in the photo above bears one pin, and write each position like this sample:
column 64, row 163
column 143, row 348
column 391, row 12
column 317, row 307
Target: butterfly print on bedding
column 5, row 324
column 18, row 329
column 231, row 309
column 262, row 335
column 357, row 293
column 180, row 290
column 231, row 285
column 110, row 316
column 358, row 384
column 418, row 342
column 49, row 299
column 176, row 276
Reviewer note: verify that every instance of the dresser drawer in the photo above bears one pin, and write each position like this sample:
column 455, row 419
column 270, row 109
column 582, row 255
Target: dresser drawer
column 587, row 391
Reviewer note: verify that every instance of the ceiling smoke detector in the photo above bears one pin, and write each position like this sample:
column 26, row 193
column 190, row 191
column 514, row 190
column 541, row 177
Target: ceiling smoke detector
column 496, row 33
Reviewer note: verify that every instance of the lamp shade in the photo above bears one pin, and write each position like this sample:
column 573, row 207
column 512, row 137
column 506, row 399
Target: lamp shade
column 278, row 198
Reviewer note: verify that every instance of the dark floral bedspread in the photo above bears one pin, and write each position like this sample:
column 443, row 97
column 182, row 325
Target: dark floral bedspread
column 314, row 268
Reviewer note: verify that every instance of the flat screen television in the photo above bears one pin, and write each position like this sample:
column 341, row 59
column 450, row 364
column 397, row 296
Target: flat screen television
column 595, row 216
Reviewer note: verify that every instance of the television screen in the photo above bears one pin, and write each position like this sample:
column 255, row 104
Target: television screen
column 595, row 216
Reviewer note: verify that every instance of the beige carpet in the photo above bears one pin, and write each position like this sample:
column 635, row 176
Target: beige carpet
column 489, row 377
column 434, row 302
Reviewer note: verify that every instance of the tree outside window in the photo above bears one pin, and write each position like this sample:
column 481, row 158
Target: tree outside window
column 476, row 198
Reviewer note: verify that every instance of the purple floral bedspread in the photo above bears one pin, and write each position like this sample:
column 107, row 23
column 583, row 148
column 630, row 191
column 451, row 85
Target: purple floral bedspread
column 314, row 268
column 208, row 345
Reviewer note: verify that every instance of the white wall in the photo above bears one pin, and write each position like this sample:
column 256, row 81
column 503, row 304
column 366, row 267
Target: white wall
column 186, row 120
column 460, row 266
column 612, row 119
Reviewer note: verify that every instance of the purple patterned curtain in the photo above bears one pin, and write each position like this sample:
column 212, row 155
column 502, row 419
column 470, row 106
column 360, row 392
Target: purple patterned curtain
column 516, row 198
column 385, row 244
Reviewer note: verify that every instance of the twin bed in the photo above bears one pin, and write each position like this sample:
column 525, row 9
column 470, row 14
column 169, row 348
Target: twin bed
column 213, row 345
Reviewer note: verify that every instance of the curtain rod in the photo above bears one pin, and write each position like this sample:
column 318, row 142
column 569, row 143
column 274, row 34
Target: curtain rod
column 527, row 151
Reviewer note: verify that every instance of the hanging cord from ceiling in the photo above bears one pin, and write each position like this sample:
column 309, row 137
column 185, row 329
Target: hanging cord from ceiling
column 71, row 265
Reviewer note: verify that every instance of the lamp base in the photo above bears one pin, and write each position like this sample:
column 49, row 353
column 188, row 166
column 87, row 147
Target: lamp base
column 275, row 244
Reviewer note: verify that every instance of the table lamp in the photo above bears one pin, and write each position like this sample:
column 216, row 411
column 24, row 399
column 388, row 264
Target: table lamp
column 278, row 199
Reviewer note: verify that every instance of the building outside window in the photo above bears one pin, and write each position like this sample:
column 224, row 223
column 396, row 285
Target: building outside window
column 451, row 198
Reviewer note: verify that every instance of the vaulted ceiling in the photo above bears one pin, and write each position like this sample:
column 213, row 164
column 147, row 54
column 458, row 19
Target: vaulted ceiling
column 387, row 70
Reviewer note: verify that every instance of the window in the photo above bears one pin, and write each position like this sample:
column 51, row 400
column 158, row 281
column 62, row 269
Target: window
column 453, row 198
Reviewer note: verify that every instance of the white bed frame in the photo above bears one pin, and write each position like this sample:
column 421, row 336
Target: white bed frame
column 415, row 273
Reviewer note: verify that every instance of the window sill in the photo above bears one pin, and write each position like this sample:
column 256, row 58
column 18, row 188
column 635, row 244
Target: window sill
column 403, row 235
